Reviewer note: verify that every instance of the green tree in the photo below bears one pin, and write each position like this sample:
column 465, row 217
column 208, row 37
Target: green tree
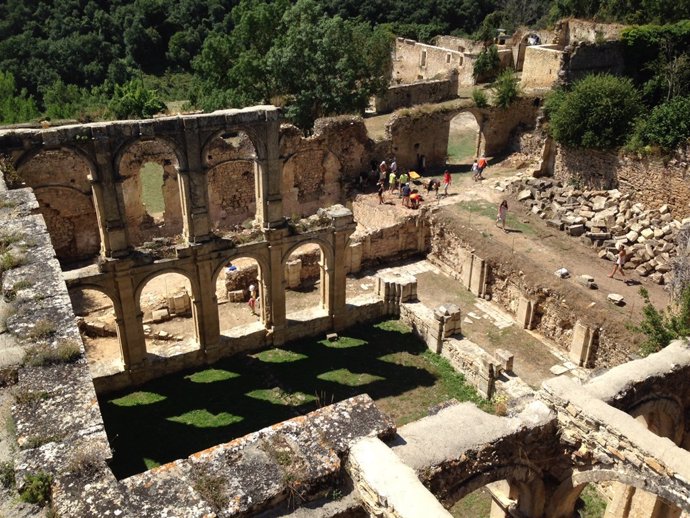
column 328, row 66
column 666, row 126
column 487, row 64
column 63, row 101
column 14, row 106
column 133, row 100
column 662, row 327
column 506, row 89
column 599, row 112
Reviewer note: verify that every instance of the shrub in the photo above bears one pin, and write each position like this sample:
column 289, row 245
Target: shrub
column 667, row 126
column 599, row 112
column 7, row 474
column 487, row 64
column 37, row 488
column 505, row 89
column 479, row 98
column 133, row 100
column 67, row 351
column 661, row 327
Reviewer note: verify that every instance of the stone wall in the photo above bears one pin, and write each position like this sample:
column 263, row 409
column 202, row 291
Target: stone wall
column 651, row 181
column 582, row 59
column 541, row 66
column 519, row 286
column 573, row 30
column 403, row 95
column 413, row 61
column 462, row 45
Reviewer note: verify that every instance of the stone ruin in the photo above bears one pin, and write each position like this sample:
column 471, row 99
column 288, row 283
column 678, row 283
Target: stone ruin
column 627, row 426
column 605, row 220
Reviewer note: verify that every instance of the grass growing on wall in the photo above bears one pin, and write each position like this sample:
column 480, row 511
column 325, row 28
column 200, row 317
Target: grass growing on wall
column 180, row 414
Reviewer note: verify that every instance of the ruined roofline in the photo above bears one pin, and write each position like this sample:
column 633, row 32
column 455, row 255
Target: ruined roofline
column 260, row 113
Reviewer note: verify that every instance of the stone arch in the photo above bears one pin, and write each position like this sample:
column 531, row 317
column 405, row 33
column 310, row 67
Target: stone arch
column 563, row 500
column 293, row 274
column 147, row 222
column 82, row 165
column 311, row 179
column 231, row 159
column 663, row 415
column 111, row 295
column 326, row 249
column 194, row 296
column 525, row 481
column 262, row 277
column 459, row 130
column 71, row 221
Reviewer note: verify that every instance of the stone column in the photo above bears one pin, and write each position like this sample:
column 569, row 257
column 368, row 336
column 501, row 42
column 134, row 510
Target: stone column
column 194, row 187
column 268, row 178
column 130, row 318
column 344, row 226
column 205, row 306
column 274, row 285
column 108, row 199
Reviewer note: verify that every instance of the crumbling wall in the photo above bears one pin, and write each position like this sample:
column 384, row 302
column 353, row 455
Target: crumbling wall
column 512, row 277
column 573, row 30
column 650, row 180
column 582, row 59
column 142, row 223
column 60, row 178
column 541, row 66
column 413, row 61
column 458, row 44
column 403, row 95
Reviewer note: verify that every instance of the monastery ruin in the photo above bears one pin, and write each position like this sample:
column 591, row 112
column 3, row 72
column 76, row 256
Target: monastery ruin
column 248, row 199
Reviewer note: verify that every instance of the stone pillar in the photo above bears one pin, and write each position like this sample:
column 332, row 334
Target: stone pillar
column 525, row 313
column 130, row 326
column 108, row 199
column 194, row 187
column 268, row 178
column 205, row 306
column 582, row 346
column 274, row 285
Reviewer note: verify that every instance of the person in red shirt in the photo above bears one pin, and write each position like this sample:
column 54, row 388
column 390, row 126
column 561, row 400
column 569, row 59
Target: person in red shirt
column 446, row 182
column 481, row 165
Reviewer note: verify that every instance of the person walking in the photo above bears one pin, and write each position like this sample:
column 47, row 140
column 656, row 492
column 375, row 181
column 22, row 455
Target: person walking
column 475, row 171
column 447, row 179
column 481, row 165
column 502, row 214
column 620, row 261
column 379, row 191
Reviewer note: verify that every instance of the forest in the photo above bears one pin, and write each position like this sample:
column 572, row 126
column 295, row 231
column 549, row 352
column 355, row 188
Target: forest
column 92, row 59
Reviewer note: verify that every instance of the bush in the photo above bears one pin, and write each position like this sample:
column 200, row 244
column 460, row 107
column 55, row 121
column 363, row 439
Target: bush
column 662, row 327
column 599, row 112
column 667, row 126
column 36, row 488
column 66, row 351
column 487, row 64
column 6, row 474
column 133, row 100
column 479, row 98
column 505, row 89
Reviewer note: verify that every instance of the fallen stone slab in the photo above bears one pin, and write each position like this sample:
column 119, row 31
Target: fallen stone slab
column 524, row 195
column 615, row 298
column 576, row 230
column 587, row 281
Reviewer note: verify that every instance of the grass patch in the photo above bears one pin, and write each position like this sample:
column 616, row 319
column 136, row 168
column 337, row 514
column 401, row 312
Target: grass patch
column 37, row 488
column 139, row 398
column 66, row 351
column 594, row 505
column 211, row 488
column 489, row 210
column 461, row 146
column 36, row 441
column 278, row 396
column 150, row 463
column 9, row 260
column 343, row 342
column 211, row 376
column 42, row 330
column 476, row 505
column 279, row 356
column 275, row 385
column 205, row 419
column 27, row 397
column 85, row 461
column 351, row 379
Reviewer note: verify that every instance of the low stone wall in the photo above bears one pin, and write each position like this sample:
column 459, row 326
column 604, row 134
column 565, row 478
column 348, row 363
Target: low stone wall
column 651, row 181
column 404, row 95
column 522, row 288
column 541, row 66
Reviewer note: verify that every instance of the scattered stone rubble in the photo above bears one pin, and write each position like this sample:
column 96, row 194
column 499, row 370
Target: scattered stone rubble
column 604, row 220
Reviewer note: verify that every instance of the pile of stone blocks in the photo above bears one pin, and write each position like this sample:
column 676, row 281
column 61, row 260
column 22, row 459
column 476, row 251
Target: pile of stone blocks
column 606, row 219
